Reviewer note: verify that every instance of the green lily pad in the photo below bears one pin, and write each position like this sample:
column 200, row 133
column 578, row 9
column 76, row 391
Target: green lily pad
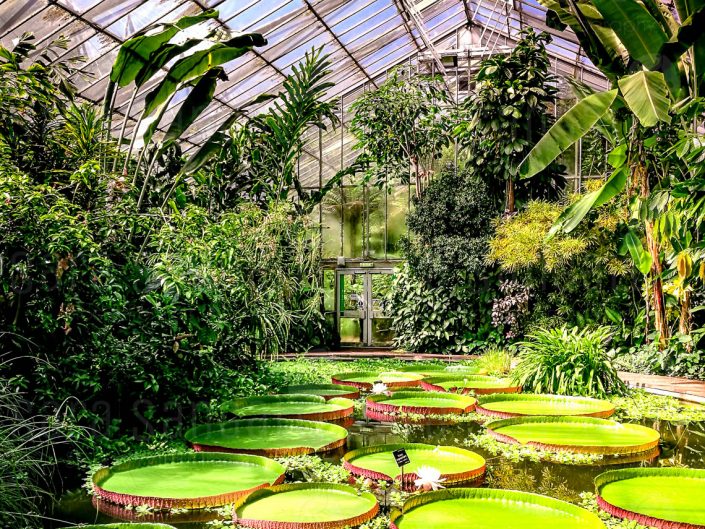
column 491, row 509
column 366, row 379
column 659, row 497
column 432, row 370
column 268, row 437
column 576, row 434
column 327, row 391
column 513, row 405
column 189, row 481
column 456, row 465
column 305, row 505
column 423, row 403
column 312, row 407
column 478, row 384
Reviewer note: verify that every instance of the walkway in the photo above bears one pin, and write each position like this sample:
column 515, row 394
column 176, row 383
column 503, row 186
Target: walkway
column 681, row 388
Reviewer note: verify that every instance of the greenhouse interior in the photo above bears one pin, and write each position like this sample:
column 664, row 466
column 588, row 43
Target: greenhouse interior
column 318, row 264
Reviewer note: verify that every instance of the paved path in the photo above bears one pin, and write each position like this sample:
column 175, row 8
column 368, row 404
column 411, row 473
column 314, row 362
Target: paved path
column 682, row 388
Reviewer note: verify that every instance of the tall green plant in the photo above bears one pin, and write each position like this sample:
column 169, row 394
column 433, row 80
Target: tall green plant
column 568, row 362
column 507, row 113
column 655, row 61
column 403, row 124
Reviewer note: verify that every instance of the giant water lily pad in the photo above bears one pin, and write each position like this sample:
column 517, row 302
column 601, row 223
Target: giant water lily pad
column 491, row 509
column 267, row 437
column 424, row 403
column 669, row 498
column 456, row 465
column 366, row 379
column 432, row 370
column 477, row 384
column 190, row 481
column 576, row 434
column 311, row 407
column 306, row 506
column 507, row 405
column 327, row 391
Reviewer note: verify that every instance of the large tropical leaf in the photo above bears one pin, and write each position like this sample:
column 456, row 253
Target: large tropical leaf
column 606, row 125
column 642, row 258
column 196, row 102
column 197, row 63
column 573, row 125
column 602, row 48
column 571, row 217
column 646, row 94
column 638, row 30
column 686, row 8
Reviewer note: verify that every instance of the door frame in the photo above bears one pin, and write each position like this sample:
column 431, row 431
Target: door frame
column 365, row 312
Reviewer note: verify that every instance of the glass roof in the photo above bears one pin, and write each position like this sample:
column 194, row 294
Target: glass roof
column 365, row 38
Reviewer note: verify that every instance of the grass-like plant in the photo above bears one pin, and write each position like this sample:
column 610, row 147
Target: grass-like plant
column 568, row 361
column 496, row 361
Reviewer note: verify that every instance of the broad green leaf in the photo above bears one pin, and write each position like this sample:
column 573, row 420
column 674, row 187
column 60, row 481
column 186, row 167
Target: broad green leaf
column 572, row 216
column 686, row 8
column 642, row 259
column 606, row 125
column 638, row 30
column 646, row 94
column 136, row 52
column 197, row 63
column 618, row 157
column 572, row 126
column 197, row 100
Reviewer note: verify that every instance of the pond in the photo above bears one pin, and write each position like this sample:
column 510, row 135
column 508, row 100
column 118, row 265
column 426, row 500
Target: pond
column 681, row 445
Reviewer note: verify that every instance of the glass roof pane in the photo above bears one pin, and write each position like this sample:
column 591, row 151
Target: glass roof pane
column 15, row 12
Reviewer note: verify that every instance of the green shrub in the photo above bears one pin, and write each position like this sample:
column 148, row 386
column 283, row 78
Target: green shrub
column 496, row 360
column 568, row 362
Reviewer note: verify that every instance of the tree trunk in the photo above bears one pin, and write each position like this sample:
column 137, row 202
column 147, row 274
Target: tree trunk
column 660, row 321
column 511, row 200
column 417, row 175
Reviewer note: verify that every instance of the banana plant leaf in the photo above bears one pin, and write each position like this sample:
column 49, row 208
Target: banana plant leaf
column 646, row 94
column 198, row 63
column 687, row 8
column 573, row 215
column 456, row 465
column 190, row 481
column 657, row 497
column 572, row 126
column 507, row 405
column 306, row 506
column 267, row 437
column 642, row 259
column 638, row 30
column 312, row 407
column 576, row 434
column 490, row 509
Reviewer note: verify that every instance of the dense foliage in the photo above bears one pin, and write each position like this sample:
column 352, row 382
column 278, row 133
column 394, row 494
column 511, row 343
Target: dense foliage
column 440, row 302
column 504, row 117
column 567, row 361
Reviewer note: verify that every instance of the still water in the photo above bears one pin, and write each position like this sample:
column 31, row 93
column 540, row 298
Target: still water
column 681, row 445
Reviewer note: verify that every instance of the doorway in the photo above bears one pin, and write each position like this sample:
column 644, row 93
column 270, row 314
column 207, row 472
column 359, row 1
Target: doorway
column 360, row 299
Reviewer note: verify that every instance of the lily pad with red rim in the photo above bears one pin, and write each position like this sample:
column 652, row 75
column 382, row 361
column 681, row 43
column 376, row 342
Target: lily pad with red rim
column 456, row 465
column 505, row 406
column 667, row 498
column 576, row 434
column 126, row 526
column 477, row 384
column 490, row 509
column 424, row 403
column 306, row 506
column 366, row 379
column 267, row 437
column 310, row 407
column 327, row 391
column 189, row 481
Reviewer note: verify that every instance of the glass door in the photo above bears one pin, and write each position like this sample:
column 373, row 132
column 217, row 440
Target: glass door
column 361, row 318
